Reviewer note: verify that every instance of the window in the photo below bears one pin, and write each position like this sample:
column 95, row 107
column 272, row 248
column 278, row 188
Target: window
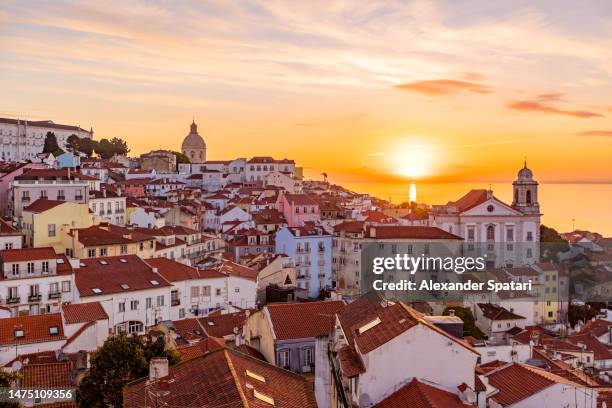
column 121, row 307
column 134, row 305
column 66, row 286
column 218, row 292
column 491, row 233
column 510, row 234
column 103, row 251
column 45, row 267
column 91, row 253
column 195, row 291
column 307, row 356
column 237, row 289
column 181, row 313
column 529, row 253
column 8, row 245
column 30, row 268
column 529, row 236
column 43, row 193
column 205, row 290
column 471, row 234
column 123, row 249
column 160, row 300
column 148, row 303
column 15, row 269
column 54, row 287
column 51, row 230
column 283, row 358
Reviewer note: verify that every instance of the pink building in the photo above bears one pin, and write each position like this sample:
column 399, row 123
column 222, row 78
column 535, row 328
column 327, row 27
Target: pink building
column 298, row 209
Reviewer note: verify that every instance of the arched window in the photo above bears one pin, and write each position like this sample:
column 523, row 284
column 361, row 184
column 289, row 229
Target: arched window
column 491, row 233
column 516, row 194
column 528, row 199
column 201, row 154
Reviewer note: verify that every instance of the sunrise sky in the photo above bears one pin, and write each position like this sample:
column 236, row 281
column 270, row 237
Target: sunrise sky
column 365, row 91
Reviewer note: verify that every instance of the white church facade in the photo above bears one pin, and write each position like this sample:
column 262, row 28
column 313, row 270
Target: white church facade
column 509, row 233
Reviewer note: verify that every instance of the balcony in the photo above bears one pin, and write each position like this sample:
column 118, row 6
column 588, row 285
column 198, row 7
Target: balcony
column 25, row 199
column 12, row 300
column 55, row 295
column 34, row 298
column 175, row 302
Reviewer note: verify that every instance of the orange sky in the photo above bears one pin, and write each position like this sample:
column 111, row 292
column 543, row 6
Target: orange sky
column 366, row 92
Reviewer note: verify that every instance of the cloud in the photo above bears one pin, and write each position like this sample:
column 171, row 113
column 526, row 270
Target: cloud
column 440, row 87
column 549, row 97
column 540, row 106
column 604, row 133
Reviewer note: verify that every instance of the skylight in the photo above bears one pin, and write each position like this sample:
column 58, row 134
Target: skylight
column 255, row 376
column 122, row 260
column 263, row 397
column 154, row 282
column 53, row 330
column 19, row 333
column 96, row 290
column 103, row 263
column 125, row 286
column 59, row 261
column 369, row 325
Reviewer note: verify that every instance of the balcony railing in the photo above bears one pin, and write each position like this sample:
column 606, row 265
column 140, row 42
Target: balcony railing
column 175, row 302
column 34, row 298
column 55, row 295
column 13, row 300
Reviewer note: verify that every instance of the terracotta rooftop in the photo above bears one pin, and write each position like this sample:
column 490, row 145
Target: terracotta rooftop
column 117, row 274
column 225, row 378
column 408, row 232
column 495, row 312
column 175, row 271
column 42, row 205
column 233, row 269
column 417, row 394
column 200, row 348
column 51, row 375
column 36, row 329
column 28, row 254
column 221, row 325
column 302, row 320
column 83, row 312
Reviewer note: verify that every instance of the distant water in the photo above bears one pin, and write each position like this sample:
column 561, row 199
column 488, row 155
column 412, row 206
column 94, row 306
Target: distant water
column 589, row 205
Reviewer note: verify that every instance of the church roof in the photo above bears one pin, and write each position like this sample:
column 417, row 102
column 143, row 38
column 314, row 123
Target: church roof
column 193, row 140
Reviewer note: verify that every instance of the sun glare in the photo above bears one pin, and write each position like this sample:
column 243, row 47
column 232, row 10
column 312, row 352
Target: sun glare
column 412, row 160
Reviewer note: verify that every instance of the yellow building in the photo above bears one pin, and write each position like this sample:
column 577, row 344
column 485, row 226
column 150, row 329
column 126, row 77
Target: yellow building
column 99, row 241
column 551, row 293
column 44, row 220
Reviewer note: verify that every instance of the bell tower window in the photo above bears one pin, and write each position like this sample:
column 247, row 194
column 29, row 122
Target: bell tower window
column 528, row 197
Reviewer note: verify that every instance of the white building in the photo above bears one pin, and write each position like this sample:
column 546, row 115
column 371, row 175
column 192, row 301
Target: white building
column 257, row 168
column 24, row 139
column 133, row 295
column 109, row 206
column 35, row 280
column 508, row 233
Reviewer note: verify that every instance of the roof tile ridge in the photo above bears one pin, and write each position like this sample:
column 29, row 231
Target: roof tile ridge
column 230, row 364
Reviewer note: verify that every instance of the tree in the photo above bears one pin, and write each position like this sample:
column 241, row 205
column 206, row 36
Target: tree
column 73, row 143
column 86, row 146
column 552, row 244
column 120, row 146
column 51, row 145
column 7, row 380
column 120, row 360
column 181, row 158
column 104, row 149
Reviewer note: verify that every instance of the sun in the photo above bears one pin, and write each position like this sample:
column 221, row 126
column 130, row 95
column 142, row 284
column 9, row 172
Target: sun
column 412, row 159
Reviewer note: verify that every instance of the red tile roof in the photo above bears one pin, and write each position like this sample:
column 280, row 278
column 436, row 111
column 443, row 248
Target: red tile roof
column 495, row 312
column 600, row 350
column 28, row 254
column 355, row 227
column 200, row 348
column 596, row 327
column 220, row 379
column 233, row 269
column 408, row 232
column 221, row 325
column 175, row 271
column 303, row 320
column 83, row 312
column 516, row 382
column 52, row 375
column 300, row 199
column 188, row 330
column 470, row 200
column 350, row 362
column 6, row 228
column 393, row 321
column 417, row 394
column 42, row 205
column 109, row 273
column 35, row 329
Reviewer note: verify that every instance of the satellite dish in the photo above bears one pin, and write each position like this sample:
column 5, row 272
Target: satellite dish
column 16, row 366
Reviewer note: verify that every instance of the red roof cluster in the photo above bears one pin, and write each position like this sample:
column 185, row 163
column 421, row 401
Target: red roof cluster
column 302, row 320
column 31, row 329
column 83, row 312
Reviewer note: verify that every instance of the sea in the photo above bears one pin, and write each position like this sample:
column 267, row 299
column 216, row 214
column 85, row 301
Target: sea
column 565, row 207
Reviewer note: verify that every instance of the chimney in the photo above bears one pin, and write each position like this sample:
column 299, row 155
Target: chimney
column 451, row 312
column 158, row 368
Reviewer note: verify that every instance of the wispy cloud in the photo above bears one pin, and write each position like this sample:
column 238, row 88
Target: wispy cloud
column 543, row 103
column 440, row 87
column 604, row 133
